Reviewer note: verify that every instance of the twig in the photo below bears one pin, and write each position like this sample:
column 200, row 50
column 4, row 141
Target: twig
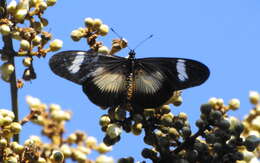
column 190, row 140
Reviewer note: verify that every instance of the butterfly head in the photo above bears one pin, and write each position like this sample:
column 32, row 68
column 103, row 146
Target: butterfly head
column 131, row 54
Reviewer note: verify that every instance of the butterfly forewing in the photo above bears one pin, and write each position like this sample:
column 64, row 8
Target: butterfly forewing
column 157, row 78
column 102, row 76
column 106, row 79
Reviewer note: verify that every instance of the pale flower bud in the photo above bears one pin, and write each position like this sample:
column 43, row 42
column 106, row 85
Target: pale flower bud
column 234, row 104
column 103, row 50
column 103, row 148
column 55, row 45
column 254, row 97
column 11, row 6
column 51, row 2
column 5, row 29
column 89, row 22
column 20, row 14
column 113, row 130
column 25, row 45
column 103, row 29
column 104, row 159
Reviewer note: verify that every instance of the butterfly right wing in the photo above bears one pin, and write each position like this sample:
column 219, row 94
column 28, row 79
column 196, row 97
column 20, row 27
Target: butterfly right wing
column 102, row 76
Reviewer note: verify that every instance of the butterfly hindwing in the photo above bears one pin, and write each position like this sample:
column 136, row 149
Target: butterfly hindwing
column 102, row 76
column 157, row 78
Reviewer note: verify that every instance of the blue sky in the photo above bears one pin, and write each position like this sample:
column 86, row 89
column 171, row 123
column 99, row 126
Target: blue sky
column 224, row 35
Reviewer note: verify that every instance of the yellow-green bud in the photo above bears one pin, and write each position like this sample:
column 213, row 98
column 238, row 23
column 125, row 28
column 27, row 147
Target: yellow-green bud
column 5, row 77
column 65, row 149
column 97, row 23
column 183, row 116
column 80, row 156
column 15, row 127
column 11, row 6
column 27, row 61
column 213, row 101
column 41, row 160
column 12, row 159
column 5, row 29
column 89, row 22
column 54, row 107
column 58, row 115
column 84, row 149
column 7, row 113
column 165, row 109
column 103, row 50
column 234, row 104
column 55, row 45
column 103, row 148
column 91, row 142
column 220, row 102
column 25, row 45
column 35, row 139
column 103, row 30
column 104, row 159
column 104, row 120
column 43, row 6
column 177, row 101
column 254, row 97
column 3, row 142
column 20, row 14
column 76, row 35
column 72, row 138
column 51, row 2
column 33, row 101
column 67, row 115
column 7, row 68
column 113, row 130
column 137, row 128
column 18, row 148
column 7, row 120
column 36, row 40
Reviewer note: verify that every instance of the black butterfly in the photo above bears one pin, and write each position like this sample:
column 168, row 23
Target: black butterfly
column 110, row 81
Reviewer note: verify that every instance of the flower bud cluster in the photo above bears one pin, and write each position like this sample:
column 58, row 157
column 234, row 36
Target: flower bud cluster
column 93, row 29
column 252, row 128
column 218, row 139
column 77, row 146
column 8, row 127
column 117, row 120
column 32, row 39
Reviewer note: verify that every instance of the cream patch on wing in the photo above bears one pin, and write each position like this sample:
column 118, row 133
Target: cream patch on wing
column 149, row 83
column 76, row 63
column 109, row 82
column 181, row 69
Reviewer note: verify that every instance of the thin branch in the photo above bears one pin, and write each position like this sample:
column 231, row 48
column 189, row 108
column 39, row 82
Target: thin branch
column 190, row 140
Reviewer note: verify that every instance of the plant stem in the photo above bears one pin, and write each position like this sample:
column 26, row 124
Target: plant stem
column 8, row 45
column 14, row 96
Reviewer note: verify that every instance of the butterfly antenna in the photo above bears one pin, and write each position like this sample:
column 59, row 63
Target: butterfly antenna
column 147, row 38
column 112, row 29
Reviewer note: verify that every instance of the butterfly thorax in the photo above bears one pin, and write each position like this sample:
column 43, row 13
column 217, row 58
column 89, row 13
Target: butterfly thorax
column 131, row 55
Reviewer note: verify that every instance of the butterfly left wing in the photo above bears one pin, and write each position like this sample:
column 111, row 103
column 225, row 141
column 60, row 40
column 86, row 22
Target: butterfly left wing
column 102, row 76
column 157, row 78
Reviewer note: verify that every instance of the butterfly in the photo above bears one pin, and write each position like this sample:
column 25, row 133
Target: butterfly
column 111, row 81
